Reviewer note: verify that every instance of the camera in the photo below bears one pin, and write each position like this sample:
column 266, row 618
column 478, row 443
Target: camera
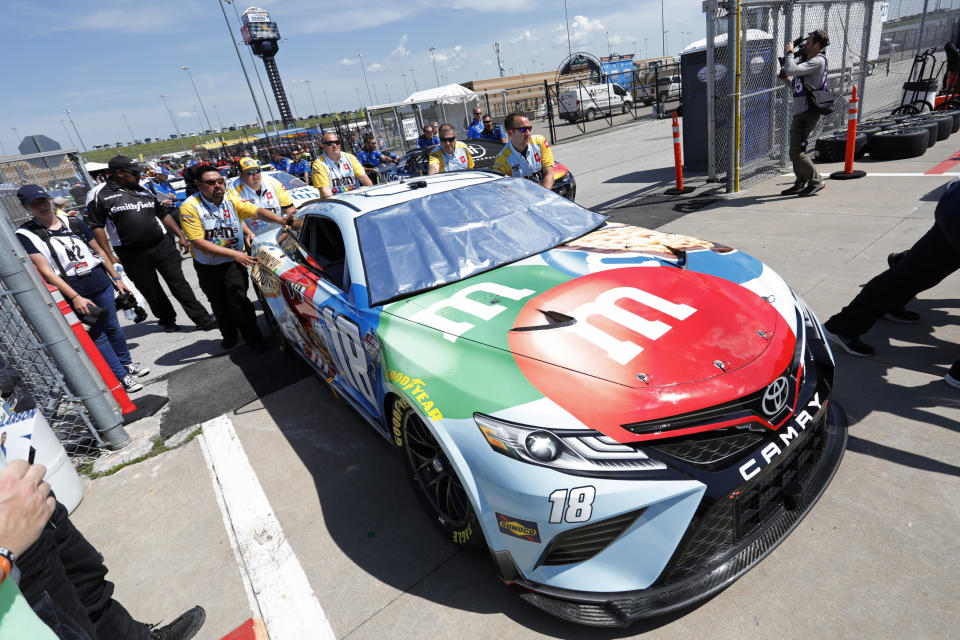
column 126, row 300
column 798, row 45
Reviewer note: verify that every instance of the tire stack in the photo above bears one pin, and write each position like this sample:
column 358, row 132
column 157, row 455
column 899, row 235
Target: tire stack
column 891, row 137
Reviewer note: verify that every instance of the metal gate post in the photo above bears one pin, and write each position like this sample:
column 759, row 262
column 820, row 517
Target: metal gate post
column 546, row 92
column 711, row 7
column 733, row 56
column 22, row 280
column 862, row 89
column 787, row 107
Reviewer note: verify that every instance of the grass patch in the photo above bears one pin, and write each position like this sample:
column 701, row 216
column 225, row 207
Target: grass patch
column 159, row 446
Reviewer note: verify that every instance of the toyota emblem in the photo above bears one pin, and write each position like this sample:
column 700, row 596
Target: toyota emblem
column 775, row 396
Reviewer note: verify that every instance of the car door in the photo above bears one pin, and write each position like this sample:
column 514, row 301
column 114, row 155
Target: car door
column 344, row 333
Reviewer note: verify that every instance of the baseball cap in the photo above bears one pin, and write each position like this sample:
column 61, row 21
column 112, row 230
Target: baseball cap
column 59, row 201
column 124, row 163
column 248, row 163
column 30, row 192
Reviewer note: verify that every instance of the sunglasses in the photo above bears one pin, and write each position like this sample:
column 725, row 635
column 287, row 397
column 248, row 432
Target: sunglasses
column 523, row 129
column 210, row 183
column 251, row 172
column 488, row 122
column 450, row 139
column 330, row 143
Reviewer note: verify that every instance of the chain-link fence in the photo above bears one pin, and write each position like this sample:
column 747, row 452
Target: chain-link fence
column 736, row 79
column 61, row 173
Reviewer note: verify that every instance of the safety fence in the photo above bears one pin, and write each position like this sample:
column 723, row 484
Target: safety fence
column 736, row 78
column 61, row 173
column 42, row 361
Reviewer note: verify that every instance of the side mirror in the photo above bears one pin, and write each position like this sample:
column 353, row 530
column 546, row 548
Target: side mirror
column 620, row 91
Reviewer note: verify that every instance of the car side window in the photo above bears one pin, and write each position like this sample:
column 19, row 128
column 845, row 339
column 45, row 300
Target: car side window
column 324, row 243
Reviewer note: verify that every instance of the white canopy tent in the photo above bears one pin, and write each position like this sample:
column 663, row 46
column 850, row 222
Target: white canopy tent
column 447, row 94
column 95, row 166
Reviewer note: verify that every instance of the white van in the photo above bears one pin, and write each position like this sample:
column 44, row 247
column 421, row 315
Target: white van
column 588, row 102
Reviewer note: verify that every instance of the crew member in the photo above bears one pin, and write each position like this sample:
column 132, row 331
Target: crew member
column 212, row 221
column 67, row 255
column 337, row 171
column 809, row 75
column 491, row 131
column 476, row 125
column 370, row 158
column 451, row 155
column 280, row 162
column 143, row 244
column 262, row 191
column 427, row 139
column 526, row 155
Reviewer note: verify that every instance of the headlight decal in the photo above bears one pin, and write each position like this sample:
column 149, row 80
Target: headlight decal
column 562, row 449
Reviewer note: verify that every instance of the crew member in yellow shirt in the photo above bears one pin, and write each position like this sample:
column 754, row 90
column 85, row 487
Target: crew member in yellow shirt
column 212, row 221
column 263, row 191
column 526, row 155
column 451, row 155
column 336, row 171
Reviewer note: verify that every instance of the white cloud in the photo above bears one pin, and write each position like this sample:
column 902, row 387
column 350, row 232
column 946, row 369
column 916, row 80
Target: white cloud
column 401, row 50
column 524, row 37
column 583, row 27
column 349, row 61
column 185, row 114
column 450, row 55
column 376, row 66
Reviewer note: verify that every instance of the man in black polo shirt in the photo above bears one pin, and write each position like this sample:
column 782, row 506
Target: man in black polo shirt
column 146, row 245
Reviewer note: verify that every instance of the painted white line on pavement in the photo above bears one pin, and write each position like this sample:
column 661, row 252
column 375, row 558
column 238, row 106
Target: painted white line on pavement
column 283, row 595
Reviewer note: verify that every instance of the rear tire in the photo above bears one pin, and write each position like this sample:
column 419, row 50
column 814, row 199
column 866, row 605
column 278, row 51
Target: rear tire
column 435, row 480
column 627, row 106
column 591, row 115
column 282, row 343
column 898, row 144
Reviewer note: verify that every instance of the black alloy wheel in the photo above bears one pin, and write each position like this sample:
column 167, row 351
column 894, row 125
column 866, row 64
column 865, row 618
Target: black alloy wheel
column 436, row 482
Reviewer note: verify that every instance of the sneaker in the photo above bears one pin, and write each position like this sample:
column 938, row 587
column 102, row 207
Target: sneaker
column 130, row 384
column 207, row 324
column 135, row 369
column 140, row 315
column 794, row 190
column 812, row 189
column 903, row 316
column 183, row 628
column 853, row 346
column 171, row 327
column 894, row 258
column 229, row 343
column 953, row 376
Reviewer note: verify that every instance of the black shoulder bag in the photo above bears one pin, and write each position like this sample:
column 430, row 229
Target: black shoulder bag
column 820, row 100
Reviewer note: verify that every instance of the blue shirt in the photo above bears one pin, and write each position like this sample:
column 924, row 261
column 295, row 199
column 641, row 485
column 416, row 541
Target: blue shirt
column 496, row 134
column 423, row 143
column 283, row 164
column 374, row 157
column 300, row 168
column 476, row 128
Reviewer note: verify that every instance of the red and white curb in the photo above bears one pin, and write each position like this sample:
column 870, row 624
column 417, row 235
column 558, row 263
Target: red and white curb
column 276, row 585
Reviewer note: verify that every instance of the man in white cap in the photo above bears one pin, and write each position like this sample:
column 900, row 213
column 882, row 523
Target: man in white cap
column 263, row 191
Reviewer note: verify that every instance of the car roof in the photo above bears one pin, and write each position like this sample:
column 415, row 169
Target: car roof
column 368, row 199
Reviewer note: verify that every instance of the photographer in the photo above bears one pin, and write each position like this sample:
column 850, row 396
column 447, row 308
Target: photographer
column 65, row 252
column 808, row 68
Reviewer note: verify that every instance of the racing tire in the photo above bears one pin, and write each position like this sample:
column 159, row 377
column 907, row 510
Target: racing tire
column 956, row 120
column 944, row 124
column 932, row 129
column 590, row 115
column 898, row 144
column 833, row 147
column 435, row 481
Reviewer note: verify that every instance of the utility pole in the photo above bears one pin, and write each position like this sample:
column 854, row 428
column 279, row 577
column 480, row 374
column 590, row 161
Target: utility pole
column 126, row 122
column 219, row 119
column 567, row 18
column 74, row 125
column 406, row 91
column 253, row 95
column 415, row 87
column 176, row 128
column 496, row 47
column 315, row 110
column 433, row 58
column 370, row 97
column 662, row 31
column 63, row 123
column 205, row 117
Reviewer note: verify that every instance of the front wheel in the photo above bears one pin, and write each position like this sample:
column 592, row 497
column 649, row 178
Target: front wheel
column 435, row 480
column 591, row 115
column 627, row 106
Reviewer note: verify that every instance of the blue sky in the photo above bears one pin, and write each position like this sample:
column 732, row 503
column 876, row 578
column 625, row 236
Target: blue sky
column 113, row 58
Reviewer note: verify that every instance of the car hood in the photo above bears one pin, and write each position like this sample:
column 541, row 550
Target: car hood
column 597, row 307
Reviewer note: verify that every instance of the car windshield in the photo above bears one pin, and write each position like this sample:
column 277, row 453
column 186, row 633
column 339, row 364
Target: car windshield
column 287, row 180
column 445, row 237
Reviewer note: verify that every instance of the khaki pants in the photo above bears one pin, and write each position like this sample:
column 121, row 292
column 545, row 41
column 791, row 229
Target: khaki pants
column 800, row 129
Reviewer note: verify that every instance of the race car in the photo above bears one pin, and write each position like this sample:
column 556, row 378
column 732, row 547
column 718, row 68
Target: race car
column 300, row 191
column 415, row 163
column 628, row 420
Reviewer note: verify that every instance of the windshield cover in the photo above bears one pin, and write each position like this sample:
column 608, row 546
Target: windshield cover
column 289, row 181
column 445, row 237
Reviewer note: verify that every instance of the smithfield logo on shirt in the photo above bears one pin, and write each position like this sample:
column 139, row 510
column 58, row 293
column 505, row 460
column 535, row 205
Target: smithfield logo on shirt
column 132, row 207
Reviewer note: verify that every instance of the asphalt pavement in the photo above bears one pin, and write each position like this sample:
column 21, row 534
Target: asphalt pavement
column 283, row 465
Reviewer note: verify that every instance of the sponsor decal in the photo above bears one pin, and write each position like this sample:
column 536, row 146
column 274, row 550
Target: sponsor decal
column 462, row 302
column 264, row 271
column 573, row 506
column 416, row 389
column 771, row 450
column 129, row 206
column 523, row 529
column 477, row 151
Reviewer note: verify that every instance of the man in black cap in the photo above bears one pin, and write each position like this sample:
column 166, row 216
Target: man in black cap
column 146, row 246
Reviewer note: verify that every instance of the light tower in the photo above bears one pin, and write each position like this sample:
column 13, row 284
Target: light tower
column 263, row 35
